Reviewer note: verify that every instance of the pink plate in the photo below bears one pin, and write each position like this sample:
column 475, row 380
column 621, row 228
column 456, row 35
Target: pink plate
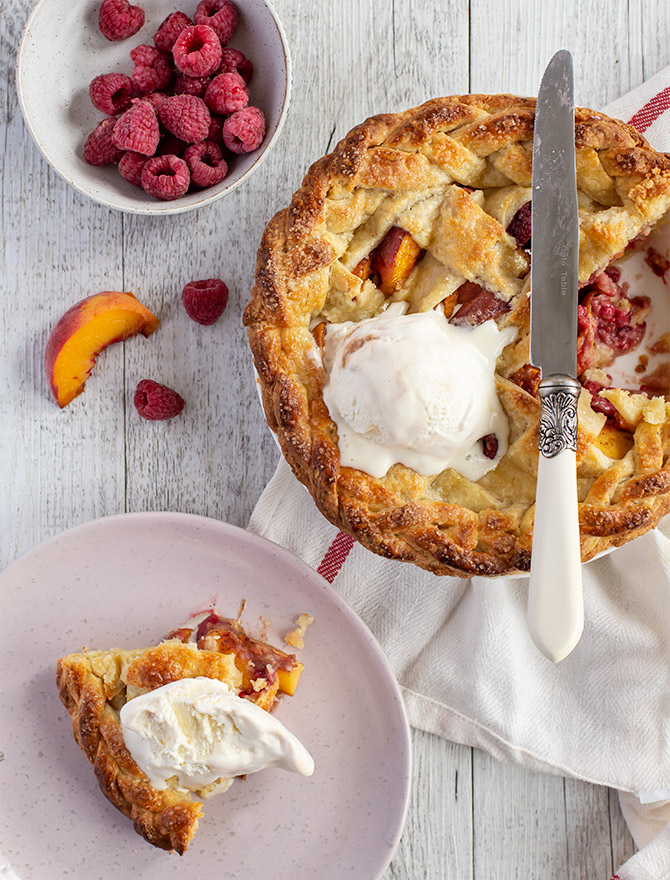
column 126, row 581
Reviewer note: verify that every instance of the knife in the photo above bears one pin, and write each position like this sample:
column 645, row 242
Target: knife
column 555, row 596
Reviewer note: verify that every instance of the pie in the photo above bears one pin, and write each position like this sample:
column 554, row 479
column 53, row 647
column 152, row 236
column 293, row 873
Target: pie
column 94, row 685
column 428, row 210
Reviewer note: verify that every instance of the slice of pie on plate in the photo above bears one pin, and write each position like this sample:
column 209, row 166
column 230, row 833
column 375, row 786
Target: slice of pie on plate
column 95, row 686
column 389, row 324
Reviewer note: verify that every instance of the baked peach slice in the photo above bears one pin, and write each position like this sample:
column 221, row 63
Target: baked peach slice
column 363, row 269
column 614, row 442
column 288, row 679
column 84, row 331
column 394, row 258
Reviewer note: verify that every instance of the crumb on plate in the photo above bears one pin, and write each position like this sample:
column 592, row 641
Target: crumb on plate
column 295, row 637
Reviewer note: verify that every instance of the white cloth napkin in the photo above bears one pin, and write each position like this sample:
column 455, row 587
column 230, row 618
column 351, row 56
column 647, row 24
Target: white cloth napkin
column 466, row 664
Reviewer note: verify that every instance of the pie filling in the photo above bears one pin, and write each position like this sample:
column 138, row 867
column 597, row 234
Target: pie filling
column 265, row 668
column 419, row 389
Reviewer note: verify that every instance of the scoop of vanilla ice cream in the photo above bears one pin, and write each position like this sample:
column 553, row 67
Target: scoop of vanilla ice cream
column 201, row 732
column 415, row 389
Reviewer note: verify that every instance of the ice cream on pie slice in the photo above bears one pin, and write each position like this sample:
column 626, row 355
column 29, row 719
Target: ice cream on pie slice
column 187, row 715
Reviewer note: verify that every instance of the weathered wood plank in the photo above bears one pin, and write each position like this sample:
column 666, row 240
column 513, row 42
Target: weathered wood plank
column 623, row 846
column 58, row 468
column 588, row 831
column 649, row 24
column 520, row 823
column 512, row 42
column 439, row 847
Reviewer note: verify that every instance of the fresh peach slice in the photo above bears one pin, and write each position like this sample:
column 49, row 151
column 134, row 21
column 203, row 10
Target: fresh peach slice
column 84, row 331
column 394, row 259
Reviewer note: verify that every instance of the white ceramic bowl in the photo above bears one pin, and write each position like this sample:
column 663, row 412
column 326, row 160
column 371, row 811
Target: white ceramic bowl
column 62, row 50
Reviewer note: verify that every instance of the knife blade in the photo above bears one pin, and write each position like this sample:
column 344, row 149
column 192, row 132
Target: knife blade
column 555, row 224
column 555, row 598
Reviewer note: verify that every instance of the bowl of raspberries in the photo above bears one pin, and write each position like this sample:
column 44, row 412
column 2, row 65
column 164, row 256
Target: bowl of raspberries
column 150, row 108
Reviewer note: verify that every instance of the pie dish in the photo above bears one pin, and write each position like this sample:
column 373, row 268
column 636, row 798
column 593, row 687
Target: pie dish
column 429, row 209
column 95, row 685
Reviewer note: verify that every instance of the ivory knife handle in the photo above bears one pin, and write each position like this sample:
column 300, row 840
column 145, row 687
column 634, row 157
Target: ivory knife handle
column 555, row 593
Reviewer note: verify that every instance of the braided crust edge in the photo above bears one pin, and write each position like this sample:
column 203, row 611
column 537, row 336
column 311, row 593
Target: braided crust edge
column 292, row 247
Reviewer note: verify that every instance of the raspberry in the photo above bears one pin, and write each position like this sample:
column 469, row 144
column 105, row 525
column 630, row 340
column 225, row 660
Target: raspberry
column 155, row 99
column 137, row 129
column 171, row 146
column 658, row 264
column 117, row 19
column 131, row 166
column 153, row 69
column 489, row 445
column 205, row 301
column 186, row 116
column 165, row 177
column 99, row 148
column 215, row 130
column 197, row 51
column 111, row 93
column 520, row 226
column 226, row 93
column 234, row 61
column 230, row 60
column 157, row 402
column 208, row 167
column 244, row 130
column 246, row 70
column 169, row 30
column 220, row 15
column 191, row 85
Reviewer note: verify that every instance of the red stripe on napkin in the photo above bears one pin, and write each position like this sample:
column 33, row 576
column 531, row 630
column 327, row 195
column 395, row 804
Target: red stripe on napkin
column 651, row 110
column 335, row 556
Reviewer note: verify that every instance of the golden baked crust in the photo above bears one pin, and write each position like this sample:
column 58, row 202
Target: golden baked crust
column 94, row 685
column 453, row 173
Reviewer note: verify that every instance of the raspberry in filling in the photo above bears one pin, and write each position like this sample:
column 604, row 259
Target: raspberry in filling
column 478, row 305
column 609, row 322
column 490, row 445
column 658, row 264
column 520, row 225
column 598, row 403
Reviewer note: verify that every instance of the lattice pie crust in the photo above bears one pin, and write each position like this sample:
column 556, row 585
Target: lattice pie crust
column 455, row 174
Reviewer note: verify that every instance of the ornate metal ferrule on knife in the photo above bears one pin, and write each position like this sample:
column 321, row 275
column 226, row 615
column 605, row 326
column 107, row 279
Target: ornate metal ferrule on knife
column 558, row 420
column 555, row 600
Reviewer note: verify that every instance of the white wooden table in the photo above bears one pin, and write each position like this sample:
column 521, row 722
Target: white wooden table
column 470, row 818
